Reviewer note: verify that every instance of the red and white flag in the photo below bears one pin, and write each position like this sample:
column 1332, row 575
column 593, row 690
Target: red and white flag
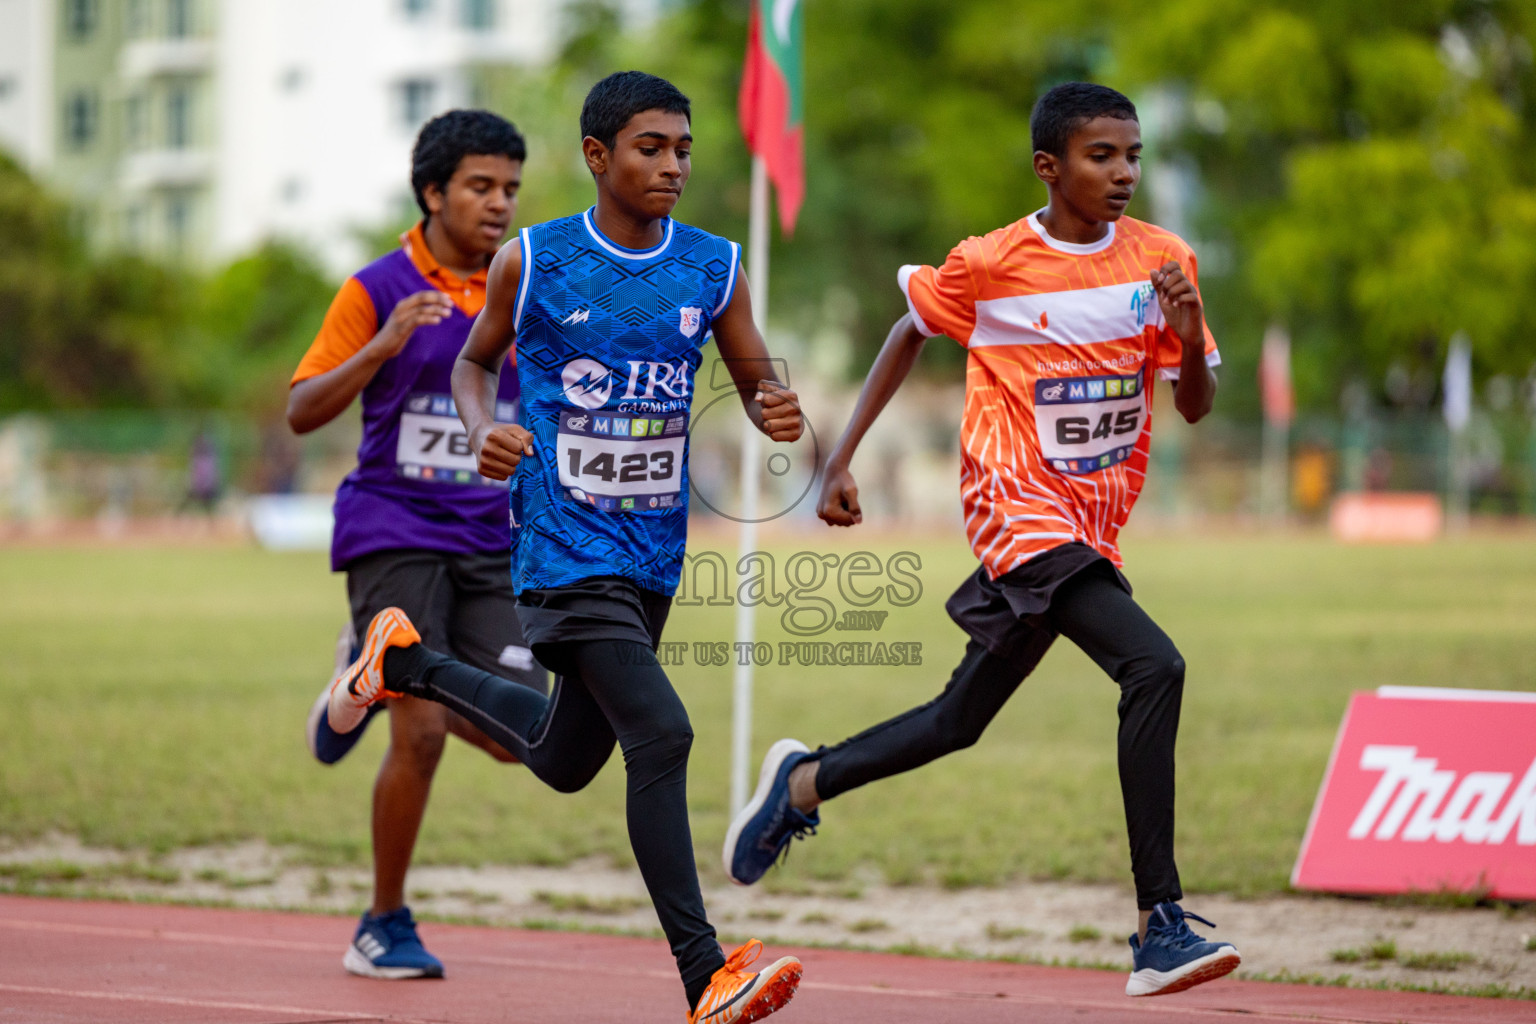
column 770, row 104
column 1275, row 377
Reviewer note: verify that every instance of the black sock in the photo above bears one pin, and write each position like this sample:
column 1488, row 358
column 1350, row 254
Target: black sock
column 403, row 668
column 505, row 711
column 695, row 992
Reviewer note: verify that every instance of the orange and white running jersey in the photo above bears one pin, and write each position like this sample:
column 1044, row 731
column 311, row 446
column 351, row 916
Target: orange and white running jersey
column 1063, row 342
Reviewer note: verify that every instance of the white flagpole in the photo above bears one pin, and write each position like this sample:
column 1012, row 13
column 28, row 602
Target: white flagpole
column 751, row 458
column 1458, row 414
column 1276, row 387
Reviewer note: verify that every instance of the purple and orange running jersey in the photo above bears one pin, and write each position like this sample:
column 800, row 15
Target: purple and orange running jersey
column 415, row 485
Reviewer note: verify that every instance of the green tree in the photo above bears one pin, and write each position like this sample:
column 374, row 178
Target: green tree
column 1371, row 165
column 254, row 319
column 84, row 329
column 75, row 330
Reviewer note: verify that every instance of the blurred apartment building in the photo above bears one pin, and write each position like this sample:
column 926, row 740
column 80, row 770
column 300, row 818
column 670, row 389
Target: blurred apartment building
column 195, row 129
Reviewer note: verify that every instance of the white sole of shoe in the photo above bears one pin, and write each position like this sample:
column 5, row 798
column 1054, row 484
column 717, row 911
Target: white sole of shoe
column 771, row 761
column 356, row 963
column 343, row 712
column 340, row 711
column 1147, row 982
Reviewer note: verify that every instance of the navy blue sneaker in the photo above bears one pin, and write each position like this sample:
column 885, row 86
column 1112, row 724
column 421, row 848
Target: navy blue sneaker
column 326, row 744
column 387, row 947
column 763, row 829
column 1175, row 958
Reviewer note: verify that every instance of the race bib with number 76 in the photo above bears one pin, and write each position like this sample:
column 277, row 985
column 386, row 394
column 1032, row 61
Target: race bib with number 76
column 1089, row 423
column 433, row 444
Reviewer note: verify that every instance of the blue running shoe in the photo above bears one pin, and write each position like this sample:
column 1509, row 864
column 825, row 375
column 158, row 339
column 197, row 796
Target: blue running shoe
column 763, row 829
column 1175, row 958
column 326, row 744
column 387, row 947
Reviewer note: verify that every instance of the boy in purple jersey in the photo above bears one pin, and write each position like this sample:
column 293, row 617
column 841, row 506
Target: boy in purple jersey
column 416, row 526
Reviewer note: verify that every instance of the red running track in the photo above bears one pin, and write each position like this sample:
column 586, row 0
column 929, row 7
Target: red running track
column 67, row 961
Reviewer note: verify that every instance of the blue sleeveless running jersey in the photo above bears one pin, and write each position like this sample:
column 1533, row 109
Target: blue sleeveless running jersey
column 608, row 341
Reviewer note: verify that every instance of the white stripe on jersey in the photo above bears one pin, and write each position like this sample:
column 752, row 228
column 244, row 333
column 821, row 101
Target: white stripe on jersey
column 625, row 254
column 1079, row 316
column 526, row 240
column 1212, row 359
column 903, row 279
column 730, row 280
column 1022, row 518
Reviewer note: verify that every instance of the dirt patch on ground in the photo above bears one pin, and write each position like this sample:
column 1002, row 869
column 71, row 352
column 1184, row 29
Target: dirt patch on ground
column 1361, row 942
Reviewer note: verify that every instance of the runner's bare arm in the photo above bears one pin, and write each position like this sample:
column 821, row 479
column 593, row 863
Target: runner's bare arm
column 772, row 407
column 315, row 401
column 838, row 504
column 1195, row 391
column 498, row 447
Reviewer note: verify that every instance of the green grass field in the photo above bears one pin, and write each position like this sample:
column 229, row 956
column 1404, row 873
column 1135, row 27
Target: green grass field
column 155, row 698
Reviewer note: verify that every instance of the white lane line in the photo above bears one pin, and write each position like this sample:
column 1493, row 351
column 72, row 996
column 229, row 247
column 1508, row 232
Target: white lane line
column 310, row 1012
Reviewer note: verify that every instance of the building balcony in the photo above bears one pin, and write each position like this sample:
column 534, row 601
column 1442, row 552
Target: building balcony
column 150, row 58
column 166, row 169
column 485, row 48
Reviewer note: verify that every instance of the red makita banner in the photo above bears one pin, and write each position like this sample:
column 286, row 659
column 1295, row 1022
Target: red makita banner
column 1428, row 790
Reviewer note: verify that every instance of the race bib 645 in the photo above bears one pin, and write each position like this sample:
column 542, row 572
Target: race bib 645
column 1089, row 423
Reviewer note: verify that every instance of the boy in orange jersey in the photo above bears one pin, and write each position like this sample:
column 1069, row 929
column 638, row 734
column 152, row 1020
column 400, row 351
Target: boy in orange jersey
column 1068, row 317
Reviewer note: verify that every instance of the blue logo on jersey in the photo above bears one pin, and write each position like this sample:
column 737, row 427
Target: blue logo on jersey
column 1095, row 389
column 1141, row 301
column 442, row 406
column 620, row 427
column 600, row 425
column 1074, row 391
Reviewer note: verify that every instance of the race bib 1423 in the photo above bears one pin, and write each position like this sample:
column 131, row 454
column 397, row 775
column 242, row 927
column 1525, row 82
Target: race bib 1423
column 622, row 463
column 1089, row 423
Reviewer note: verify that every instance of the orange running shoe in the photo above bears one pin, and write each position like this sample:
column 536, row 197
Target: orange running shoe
column 738, row 995
column 362, row 683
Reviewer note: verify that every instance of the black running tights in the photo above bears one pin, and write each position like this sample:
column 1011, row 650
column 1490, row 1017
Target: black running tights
column 1092, row 611
column 606, row 691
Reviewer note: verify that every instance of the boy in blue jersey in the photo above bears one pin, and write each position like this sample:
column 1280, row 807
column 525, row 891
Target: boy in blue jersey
column 609, row 311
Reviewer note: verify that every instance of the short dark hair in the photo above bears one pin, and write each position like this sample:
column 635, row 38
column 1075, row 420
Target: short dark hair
column 1067, row 107
column 448, row 138
column 613, row 101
